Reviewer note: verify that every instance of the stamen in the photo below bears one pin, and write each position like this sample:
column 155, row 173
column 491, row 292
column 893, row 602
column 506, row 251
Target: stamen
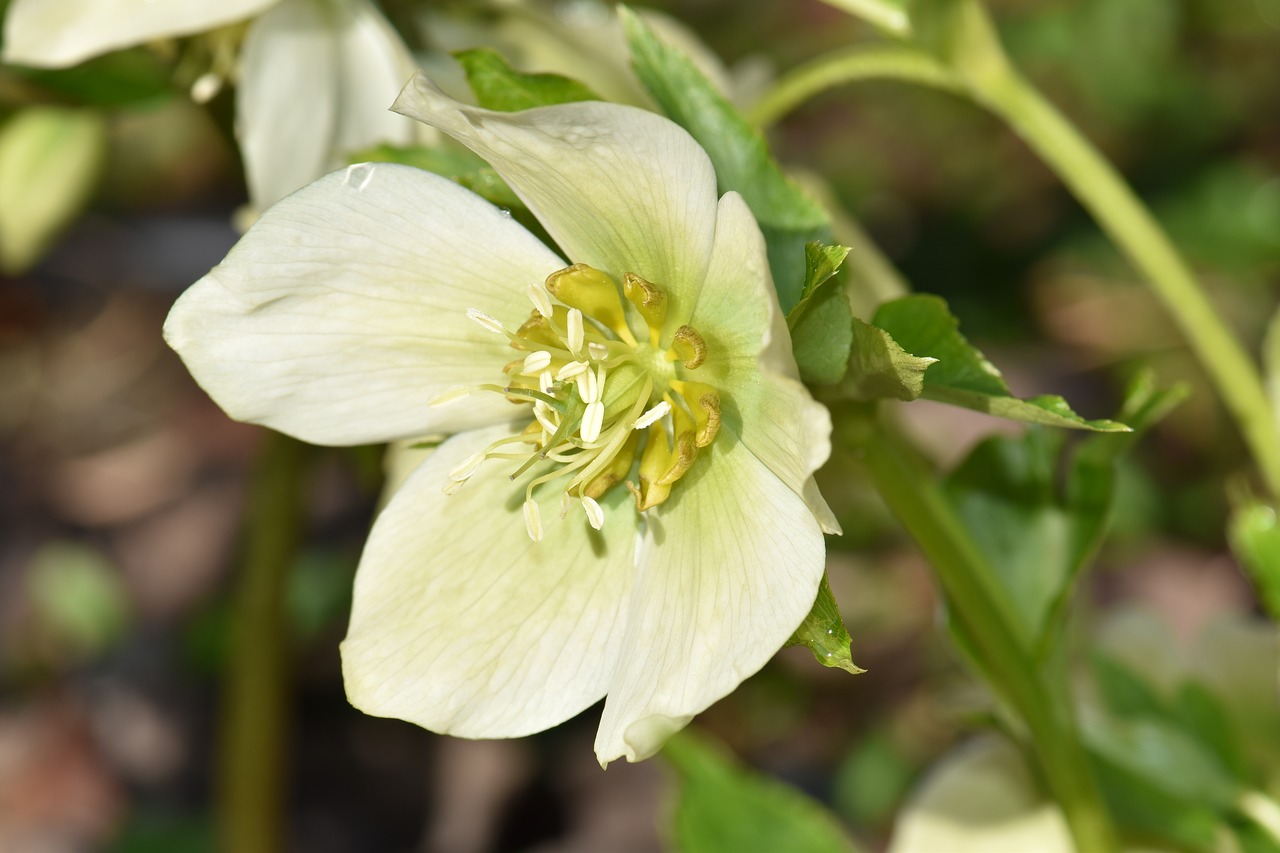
column 462, row 472
column 536, row 362
column 575, row 332
column 588, row 386
column 452, row 395
column 545, row 381
column 486, row 321
column 592, row 421
column 564, row 505
column 597, row 350
column 595, row 514
column 533, row 520
column 571, row 370
column 652, row 416
column 540, row 298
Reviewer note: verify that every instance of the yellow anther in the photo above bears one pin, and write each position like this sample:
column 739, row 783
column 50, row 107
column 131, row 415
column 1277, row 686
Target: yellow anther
column 689, row 347
column 704, row 402
column 649, row 300
column 618, row 468
column 594, row 294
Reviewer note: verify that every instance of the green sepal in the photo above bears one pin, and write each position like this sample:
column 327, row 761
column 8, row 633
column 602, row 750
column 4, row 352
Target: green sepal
column 788, row 217
column 722, row 805
column 823, row 633
column 820, row 323
column 498, row 86
column 924, row 326
column 879, row 367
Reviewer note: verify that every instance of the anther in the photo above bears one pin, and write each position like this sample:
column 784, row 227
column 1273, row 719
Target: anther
column 486, row 321
column 571, row 370
column 533, row 520
column 540, row 299
column 597, row 350
column 592, row 421
column 536, row 362
column 461, row 473
column 652, row 416
column 575, row 333
column 595, row 513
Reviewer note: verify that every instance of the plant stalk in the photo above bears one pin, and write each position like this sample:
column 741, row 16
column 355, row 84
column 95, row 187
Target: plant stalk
column 251, row 744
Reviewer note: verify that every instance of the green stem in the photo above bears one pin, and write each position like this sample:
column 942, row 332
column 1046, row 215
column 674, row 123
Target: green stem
column 251, row 746
column 1113, row 204
column 874, row 62
column 907, row 486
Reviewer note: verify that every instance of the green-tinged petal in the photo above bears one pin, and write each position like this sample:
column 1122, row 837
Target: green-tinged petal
column 749, row 356
column 326, row 71
column 58, row 33
column 342, row 312
column 727, row 568
column 461, row 624
column 618, row 188
column 980, row 799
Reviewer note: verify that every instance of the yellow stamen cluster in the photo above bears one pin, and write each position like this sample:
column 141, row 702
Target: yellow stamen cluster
column 599, row 395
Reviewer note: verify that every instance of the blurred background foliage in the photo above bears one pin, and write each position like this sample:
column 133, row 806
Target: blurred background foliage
column 124, row 485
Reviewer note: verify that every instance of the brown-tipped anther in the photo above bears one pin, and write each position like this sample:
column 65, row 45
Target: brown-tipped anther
column 689, row 347
column 593, row 293
column 648, row 299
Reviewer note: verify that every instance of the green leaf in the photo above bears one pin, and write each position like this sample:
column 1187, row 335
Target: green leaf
column 821, row 322
column 788, row 217
column 924, row 326
column 823, row 633
column 119, row 78
column 724, row 806
column 1255, row 539
column 878, row 367
column 498, row 86
column 50, row 160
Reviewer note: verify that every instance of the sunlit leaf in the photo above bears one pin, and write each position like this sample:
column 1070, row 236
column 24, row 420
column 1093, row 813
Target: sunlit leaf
column 723, row 806
column 498, row 86
column 823, row 633
column 924, row 326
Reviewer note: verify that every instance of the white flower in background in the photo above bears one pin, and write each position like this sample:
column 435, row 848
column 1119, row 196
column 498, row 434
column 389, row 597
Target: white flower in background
column 625, row 506
column 314, row 76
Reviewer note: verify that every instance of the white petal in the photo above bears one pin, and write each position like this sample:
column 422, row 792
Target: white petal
column 326, row 72
column 342, row 312
column 726, row 572
column 464, row 626
column 618, row 188
column 58, row 33
column 749, row 354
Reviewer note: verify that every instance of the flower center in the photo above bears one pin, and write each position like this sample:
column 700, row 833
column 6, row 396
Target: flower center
column 600, row 398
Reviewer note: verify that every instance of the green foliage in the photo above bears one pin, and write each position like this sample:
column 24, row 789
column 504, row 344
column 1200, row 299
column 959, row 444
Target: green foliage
column 121, row 78
column 788, row 217
column 498, row 86
column 50, row 160
column 873, row 780
column 924, row 326
column 823, row 633
column 1255, row 539
column 723, row 806
column 821, row 322
column 77, row 598
column 878, row 367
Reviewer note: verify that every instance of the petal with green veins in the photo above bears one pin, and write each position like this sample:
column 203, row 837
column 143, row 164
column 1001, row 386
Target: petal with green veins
column 473, row 629
column 341, row 313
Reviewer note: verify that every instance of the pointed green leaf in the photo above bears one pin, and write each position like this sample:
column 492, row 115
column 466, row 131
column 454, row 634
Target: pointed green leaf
column 821, row 331
column 924, row 326
column 878, row 367
column 887, row 15
column 498, row 86
column 824, row 633
column 788, row 217
column 724, row 806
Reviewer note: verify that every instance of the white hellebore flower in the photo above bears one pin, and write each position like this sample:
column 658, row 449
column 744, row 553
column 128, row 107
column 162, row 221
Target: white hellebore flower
column 314, row 75
column 625, row 507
